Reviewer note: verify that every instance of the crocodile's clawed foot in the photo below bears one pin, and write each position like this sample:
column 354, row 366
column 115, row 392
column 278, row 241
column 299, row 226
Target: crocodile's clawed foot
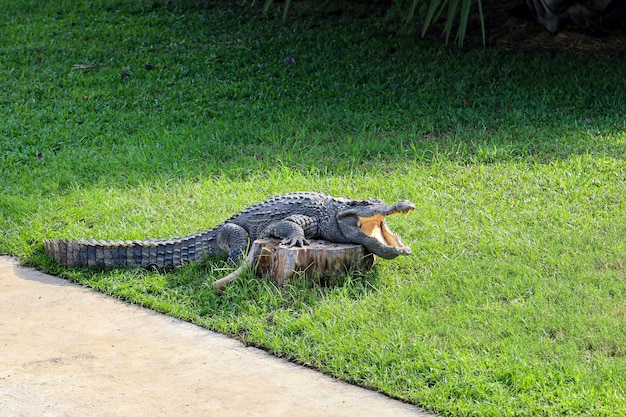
column 295, row 242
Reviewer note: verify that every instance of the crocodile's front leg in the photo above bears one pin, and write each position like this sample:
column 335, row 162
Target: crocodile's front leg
column 233, row 239
column 293, row 230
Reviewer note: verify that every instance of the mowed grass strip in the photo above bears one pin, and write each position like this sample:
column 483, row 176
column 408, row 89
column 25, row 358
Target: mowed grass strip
column 513, row 301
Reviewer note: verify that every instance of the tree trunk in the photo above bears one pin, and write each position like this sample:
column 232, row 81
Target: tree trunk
column 319, row 259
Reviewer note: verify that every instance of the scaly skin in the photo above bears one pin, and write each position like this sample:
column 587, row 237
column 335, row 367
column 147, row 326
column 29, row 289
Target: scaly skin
column 293, row 218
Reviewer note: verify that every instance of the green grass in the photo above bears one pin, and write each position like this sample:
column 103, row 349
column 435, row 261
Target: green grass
column 513, row 301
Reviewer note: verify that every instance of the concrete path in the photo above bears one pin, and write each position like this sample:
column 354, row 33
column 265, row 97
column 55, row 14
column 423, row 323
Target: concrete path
column 66, row 350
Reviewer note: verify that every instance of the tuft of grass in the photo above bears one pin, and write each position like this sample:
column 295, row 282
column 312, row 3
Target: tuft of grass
column 512, row 303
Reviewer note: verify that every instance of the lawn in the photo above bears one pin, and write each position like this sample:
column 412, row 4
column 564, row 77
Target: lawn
column 153, row 119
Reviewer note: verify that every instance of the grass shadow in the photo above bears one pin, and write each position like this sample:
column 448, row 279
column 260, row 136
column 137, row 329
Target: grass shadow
column 213, row 95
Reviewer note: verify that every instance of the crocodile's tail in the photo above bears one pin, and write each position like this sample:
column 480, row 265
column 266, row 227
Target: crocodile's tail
column 102, row 254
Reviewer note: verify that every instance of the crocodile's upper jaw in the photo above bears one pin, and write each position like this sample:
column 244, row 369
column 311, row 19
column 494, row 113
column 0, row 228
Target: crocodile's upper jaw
column 365, row 224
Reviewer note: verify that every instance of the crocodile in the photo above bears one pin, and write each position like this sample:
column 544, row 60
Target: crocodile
column 294, row 218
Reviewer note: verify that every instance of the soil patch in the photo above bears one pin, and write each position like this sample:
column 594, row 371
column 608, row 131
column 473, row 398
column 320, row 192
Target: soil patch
column 510, row 26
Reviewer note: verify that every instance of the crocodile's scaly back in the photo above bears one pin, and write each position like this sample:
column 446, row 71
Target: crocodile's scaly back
column 320, row 207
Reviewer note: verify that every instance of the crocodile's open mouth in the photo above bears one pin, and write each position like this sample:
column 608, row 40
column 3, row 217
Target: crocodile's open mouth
column 376, row 227
column 363, row 222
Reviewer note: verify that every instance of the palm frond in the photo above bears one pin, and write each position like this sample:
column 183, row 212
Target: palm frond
column 457, row 11
column 268, row 4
